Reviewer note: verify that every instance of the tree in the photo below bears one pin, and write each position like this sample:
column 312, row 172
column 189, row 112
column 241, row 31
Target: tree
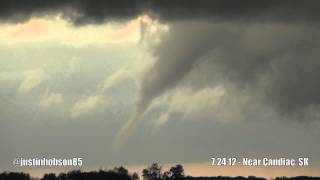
column 121, row 170
column 175, row 172
column 50, row 176
column 62, row 176
column 135, row 176
column 153, row 172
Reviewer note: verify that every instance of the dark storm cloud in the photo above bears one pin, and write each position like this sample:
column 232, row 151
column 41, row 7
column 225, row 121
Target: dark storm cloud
column 276, row 62
column 258, row 46
column 78, row 11
column 271, row 64
column 97, row 11
column 269, row 47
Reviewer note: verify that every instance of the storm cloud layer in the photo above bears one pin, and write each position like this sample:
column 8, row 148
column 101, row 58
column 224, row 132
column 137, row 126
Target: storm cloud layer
column 85, row 11
column 265, row 69
column 266, row 51
column 277, row 62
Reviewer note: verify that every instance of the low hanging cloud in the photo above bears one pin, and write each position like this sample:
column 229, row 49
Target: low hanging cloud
column 50, row 98
column 32, row 78
column 85, row 105
column 114, row 79
column 194, row 105
column 89, row 104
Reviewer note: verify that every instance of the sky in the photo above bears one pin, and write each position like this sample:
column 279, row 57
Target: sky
column 161, row 81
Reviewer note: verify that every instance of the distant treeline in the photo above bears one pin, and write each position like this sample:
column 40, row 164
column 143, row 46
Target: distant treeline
column 153, row 172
